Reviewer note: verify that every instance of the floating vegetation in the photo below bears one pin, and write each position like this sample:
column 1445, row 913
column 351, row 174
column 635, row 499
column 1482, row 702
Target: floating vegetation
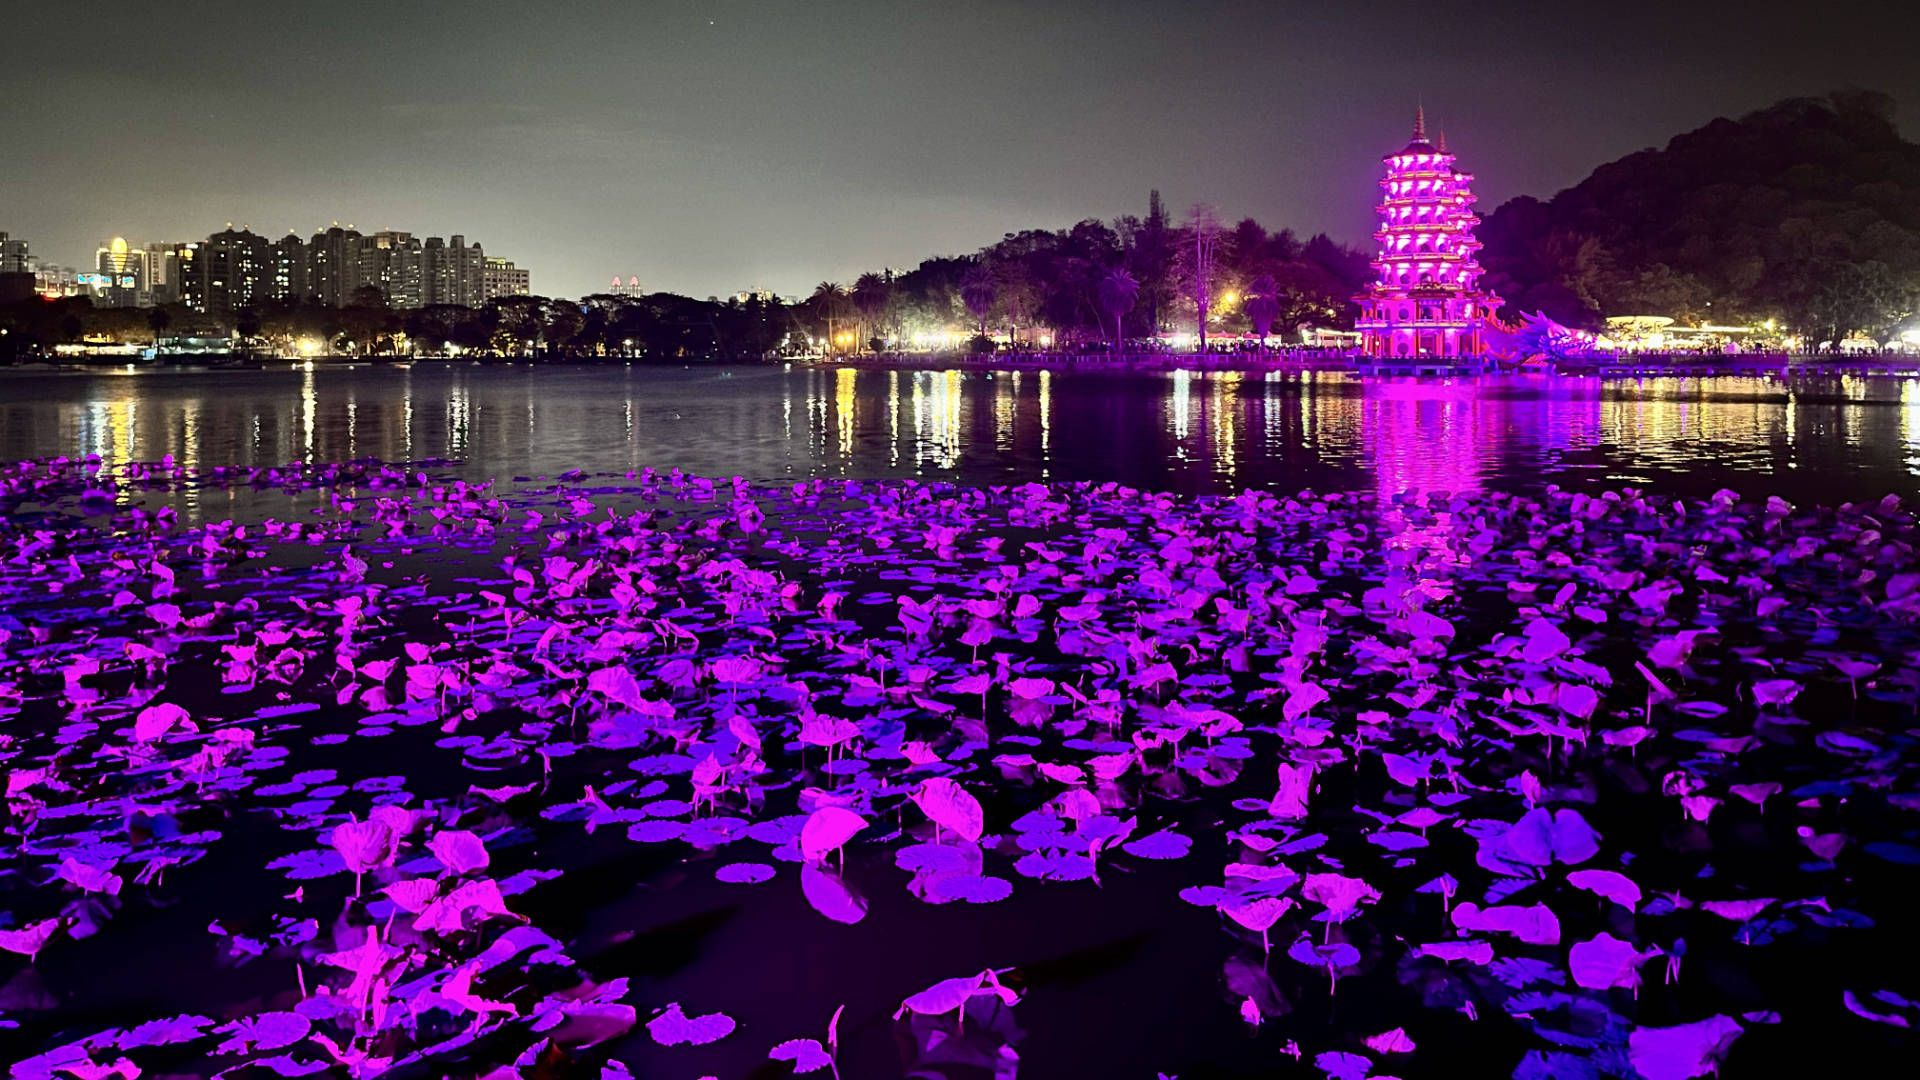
column 1590, row 781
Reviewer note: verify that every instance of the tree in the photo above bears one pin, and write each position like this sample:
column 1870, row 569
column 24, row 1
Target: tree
column 1263, row 306
column 1118, row 293
column 977, row 292
column 158, row 319
column 1203, row 229
column 246, row 324
column 1770, row 215
column 871, row 294
column 828, row 302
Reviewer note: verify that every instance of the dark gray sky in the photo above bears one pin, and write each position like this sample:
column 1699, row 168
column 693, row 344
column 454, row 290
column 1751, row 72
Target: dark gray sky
column 707, row 147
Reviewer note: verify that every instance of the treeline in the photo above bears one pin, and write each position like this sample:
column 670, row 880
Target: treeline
column 660, row 326
column 1806, row 213
column 1096, row 284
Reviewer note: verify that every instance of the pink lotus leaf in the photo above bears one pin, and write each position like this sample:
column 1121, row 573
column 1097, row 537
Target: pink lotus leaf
column 1391, row 1042
column 460, row 851
column 1031, row 688
column 827, row 830
column 1296, row 784
column 1339, row 894
column 364, row 845
column 950, row 807
column 88, row 878
column 1611, row 884
column 458, row 990
column 155, row 721
column 827, row 894
column 29, row 940
column 412, row 895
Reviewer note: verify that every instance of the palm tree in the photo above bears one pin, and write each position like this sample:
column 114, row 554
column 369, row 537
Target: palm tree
column 828, row 300
column 1117, row 293
column 871, row 294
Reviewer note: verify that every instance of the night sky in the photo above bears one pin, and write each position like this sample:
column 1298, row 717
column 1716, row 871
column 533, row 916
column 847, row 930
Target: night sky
column 709, row 147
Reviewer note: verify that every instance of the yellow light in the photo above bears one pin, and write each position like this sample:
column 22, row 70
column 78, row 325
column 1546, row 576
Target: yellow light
column 309, row 346
column 1229, row 298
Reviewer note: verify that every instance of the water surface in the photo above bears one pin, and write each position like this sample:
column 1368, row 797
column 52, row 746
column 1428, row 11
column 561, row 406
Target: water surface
column 1808, row 439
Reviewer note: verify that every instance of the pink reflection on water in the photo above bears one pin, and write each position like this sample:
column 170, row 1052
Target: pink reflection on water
column 1426, row 437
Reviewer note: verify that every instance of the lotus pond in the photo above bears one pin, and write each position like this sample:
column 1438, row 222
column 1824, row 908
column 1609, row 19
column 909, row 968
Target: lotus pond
column 648, row 774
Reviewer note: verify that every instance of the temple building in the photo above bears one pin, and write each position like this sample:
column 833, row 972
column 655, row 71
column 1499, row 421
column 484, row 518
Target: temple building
column 1426, row 299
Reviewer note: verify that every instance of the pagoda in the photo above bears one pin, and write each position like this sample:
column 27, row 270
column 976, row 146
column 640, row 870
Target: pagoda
column 1426, row 299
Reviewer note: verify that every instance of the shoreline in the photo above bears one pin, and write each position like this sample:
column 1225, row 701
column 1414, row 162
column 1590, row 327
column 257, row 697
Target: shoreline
column 1772, row 366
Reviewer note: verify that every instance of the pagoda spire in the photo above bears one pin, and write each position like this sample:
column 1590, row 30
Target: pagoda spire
column 1420, row 123
column 1441, row 145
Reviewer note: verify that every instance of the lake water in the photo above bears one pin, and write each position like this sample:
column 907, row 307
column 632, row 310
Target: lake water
column 1814, row 438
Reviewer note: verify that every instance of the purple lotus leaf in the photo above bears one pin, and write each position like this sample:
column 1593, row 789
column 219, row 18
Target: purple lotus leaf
column 806, row 1055
column 952, row 995
column 1340, row 1065
column 1605, row 962
column 1544, row 642
column 1164, row 844
column 970, row 888
column 1478, row 953
column 744, row 873
column 1684, row 1051
column 674, row 1027
column 1534, row 924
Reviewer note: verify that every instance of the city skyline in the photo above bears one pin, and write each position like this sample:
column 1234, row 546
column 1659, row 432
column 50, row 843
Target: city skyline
column 711, row 148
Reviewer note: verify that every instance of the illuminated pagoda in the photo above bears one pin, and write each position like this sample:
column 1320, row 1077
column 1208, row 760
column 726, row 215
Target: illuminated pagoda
column 1426, row 299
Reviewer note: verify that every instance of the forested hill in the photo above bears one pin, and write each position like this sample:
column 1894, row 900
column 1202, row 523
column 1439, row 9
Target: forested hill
column 1807, row 211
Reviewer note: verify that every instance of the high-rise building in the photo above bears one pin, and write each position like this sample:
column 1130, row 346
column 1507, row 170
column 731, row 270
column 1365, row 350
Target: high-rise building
column 333, row 265
column 1426, row 299
column 189, row 284
column 13, row 256
column 452, row 272
column 505, row 279
column 289, row 256
column 390, row 262
column 120, row 275
column 163, row 274
column 231, row 271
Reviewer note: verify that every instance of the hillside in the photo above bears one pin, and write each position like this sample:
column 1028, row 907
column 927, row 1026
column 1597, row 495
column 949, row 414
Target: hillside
column 1807, row 212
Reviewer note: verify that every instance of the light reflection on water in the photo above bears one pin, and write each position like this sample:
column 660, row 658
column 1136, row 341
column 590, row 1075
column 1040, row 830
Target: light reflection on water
column 1838, row 438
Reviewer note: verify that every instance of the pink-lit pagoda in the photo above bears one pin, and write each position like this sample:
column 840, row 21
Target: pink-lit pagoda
column 1426, row 300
